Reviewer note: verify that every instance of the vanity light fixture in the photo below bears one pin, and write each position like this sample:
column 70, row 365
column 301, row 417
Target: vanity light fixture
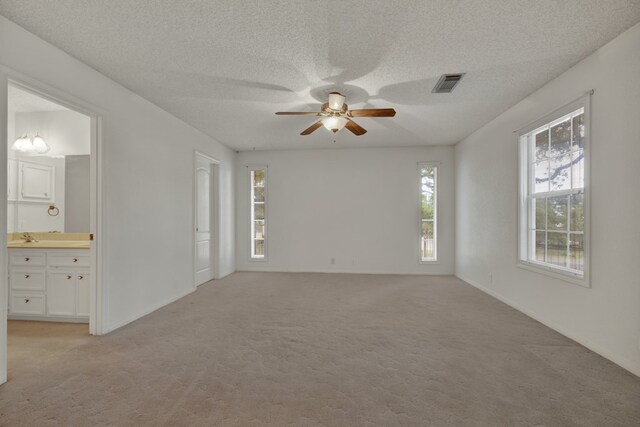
column 26, row 145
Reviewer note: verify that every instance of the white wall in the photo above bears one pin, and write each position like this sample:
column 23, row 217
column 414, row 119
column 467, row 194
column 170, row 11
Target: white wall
column 359, row 206
column 606, row 317
column 148, row 180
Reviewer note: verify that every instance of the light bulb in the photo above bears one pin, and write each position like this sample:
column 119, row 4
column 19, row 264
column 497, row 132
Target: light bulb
column 39, row 145
column 23, row 145
column 17, row 145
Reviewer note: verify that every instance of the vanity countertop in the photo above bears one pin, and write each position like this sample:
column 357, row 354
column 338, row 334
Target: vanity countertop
column 51, row 241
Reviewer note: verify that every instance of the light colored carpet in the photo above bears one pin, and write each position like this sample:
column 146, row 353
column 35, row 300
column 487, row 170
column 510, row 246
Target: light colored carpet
column 319, row 349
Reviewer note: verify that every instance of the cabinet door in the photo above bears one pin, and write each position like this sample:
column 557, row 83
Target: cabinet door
column 61, row 294
column 12, row 180
column 82, row 306
column 35, row 182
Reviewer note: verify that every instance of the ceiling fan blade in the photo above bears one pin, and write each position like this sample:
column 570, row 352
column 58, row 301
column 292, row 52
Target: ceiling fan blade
column 312, row 128
column 297, row 113
column 355, row 128
column 373, row 112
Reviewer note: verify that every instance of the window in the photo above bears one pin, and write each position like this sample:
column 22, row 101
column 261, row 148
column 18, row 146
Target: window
column 553, row 199
column 428, row 176
column 258, row 214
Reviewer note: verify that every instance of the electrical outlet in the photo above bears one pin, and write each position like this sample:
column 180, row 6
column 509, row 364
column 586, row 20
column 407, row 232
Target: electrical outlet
column 333, row 261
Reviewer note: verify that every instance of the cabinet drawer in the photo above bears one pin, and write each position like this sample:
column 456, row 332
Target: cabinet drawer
column 26, row 304
column 37, row 258
column 27, row 280
column 68, row 260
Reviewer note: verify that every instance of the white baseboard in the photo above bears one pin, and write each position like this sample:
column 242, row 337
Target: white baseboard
column 148, row 310
column 395, row 273
column 48, row 319
column 225, row 274
column 620, row 361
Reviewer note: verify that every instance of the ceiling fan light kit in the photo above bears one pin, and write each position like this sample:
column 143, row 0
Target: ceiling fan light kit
column 336, row 115
column 334, row 123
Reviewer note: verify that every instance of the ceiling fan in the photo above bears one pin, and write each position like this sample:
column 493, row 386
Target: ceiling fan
column 336, row 115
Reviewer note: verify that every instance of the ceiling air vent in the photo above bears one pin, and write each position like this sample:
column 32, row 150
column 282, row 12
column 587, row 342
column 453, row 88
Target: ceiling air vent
column 447, row 82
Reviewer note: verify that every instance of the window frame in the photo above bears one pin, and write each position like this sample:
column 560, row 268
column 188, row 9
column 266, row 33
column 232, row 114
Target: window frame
column 250, row 169
column 523, row 194
column 437, row 167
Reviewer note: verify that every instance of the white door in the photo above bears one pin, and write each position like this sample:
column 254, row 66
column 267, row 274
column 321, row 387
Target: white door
column 203, row 221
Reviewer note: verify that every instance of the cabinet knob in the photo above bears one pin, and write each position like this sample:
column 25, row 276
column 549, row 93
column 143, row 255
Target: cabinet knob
column 68, row 277
column 26, row 300
column 26, row 276
column 80, row 277
column 26, row 259
column 75, row 260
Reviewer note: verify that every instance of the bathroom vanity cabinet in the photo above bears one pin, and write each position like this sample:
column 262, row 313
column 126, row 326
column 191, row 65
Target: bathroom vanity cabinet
column 49, row 284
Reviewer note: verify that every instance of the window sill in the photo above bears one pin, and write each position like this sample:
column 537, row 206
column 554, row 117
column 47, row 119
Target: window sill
column 565, row 276
column 257, row 259
column 434, row 262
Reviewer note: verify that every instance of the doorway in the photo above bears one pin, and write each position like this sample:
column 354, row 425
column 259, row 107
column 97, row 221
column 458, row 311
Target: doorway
column 50, row 227
column 205, row 218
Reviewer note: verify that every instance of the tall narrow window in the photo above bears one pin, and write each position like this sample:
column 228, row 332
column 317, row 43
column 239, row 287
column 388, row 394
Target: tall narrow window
column 258, row 214
column 428, row 211
column 553, row 198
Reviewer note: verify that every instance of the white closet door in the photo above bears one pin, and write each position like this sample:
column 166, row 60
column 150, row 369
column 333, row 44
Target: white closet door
column 203, row 268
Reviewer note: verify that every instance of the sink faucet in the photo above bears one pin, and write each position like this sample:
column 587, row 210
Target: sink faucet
column 26, row 236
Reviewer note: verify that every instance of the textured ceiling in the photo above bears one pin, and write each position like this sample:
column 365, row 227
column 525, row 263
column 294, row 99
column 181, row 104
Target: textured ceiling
column 226, row 67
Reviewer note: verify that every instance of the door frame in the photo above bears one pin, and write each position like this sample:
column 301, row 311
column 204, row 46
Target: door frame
column 214, row 209
column 97, row 300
